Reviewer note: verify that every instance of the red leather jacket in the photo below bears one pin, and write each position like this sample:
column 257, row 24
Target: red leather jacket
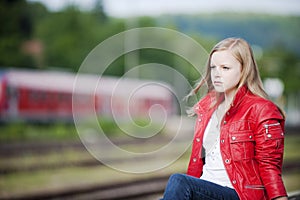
column 251, row 143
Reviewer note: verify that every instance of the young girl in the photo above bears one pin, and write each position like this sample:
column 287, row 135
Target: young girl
column 238, row 144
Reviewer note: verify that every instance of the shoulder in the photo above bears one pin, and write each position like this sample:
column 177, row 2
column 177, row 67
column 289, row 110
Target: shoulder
column 205, row 102
column 259, row 102
column 261, row 108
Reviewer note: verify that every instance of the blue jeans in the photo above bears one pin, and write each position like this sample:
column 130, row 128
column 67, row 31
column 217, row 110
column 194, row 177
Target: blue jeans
column 185, row 187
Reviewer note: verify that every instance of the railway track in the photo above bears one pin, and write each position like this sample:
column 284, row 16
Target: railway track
column 19, row 148
column 23, row 149
column 138, row 189
column 146, row 189
column 38, row 152
column 93, row 162
column 131, row 189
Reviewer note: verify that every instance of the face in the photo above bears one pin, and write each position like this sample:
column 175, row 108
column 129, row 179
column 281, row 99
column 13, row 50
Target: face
column 225, row 72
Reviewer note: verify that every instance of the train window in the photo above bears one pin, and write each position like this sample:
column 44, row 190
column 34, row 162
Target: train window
column 64, row 97
column 37, row 96
column 32, row 96
column 60, row 97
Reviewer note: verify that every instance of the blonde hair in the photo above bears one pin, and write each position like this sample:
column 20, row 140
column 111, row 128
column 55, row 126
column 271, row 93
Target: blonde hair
column 250, row 76
column 242, row 51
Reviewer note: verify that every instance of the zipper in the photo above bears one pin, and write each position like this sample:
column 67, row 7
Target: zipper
column 257, row 187
column 270, row 125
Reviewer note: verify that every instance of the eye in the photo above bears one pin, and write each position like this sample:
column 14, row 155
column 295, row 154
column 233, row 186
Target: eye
column 212, row 67
column 225, row 68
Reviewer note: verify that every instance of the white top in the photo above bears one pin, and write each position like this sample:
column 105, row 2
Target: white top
column 214, row 169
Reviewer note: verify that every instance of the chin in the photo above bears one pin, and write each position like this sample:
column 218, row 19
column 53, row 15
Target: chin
column 219, row 89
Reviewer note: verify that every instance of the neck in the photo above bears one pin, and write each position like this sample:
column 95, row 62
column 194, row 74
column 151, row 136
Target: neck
column 229, row 96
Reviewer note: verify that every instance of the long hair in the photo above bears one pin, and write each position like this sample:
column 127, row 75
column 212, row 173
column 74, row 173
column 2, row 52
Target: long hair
column 250, row 76
column 242, row 51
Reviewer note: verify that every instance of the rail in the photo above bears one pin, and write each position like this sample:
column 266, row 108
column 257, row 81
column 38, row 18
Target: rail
column 130, row 190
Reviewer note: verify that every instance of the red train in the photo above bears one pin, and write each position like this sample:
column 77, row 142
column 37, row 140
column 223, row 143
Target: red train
column 47, row 96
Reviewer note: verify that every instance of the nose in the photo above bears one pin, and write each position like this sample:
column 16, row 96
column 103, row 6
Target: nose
column 217, row 72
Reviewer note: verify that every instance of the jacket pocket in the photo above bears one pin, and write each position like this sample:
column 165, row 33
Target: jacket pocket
column 274, row 135
column 273, row 131
column 242, row 145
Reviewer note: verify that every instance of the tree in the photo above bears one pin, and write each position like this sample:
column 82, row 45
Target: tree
column 16, row 27
column 281, row 63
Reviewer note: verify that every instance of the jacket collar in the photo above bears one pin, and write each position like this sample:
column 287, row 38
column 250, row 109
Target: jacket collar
column 240, row 94
column 210, row 100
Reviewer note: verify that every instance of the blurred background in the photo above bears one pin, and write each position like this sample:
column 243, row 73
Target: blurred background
column 43, row 44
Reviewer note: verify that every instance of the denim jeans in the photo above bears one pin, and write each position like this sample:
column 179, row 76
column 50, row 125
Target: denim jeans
column 185, row 187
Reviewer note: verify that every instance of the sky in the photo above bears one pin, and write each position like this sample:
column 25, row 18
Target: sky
column 131, row 8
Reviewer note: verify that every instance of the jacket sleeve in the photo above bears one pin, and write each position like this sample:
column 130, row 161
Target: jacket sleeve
column 269, row 149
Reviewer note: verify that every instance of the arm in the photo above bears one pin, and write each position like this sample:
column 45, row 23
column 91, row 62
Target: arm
column 269, row 148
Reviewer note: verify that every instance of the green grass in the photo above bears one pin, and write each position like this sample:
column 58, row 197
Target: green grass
column 20, row 131
column 70, row 176
column 26, row 182
column 292, row 181
column 22, row 183
column 37, row 132
column 291, row 145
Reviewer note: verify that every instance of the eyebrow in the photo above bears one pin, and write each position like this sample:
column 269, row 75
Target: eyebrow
column 222, row 65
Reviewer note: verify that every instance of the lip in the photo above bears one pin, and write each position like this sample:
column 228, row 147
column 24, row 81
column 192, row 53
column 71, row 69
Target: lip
column 218, row 83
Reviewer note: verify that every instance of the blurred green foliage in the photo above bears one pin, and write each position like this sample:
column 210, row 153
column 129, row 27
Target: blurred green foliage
column 16, row 27
column 66, row 37
column 23, row 132
column 284, row 64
